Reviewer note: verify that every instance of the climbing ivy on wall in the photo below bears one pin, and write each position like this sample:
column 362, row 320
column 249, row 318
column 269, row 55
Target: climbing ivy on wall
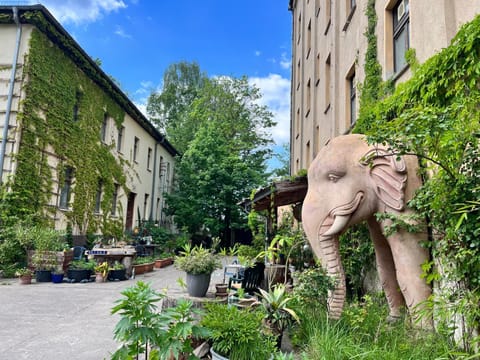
column 436, row 116
column 54, row 86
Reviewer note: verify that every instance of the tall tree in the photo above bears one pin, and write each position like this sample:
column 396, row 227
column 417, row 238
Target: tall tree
column 169, row 108
column 225, row 160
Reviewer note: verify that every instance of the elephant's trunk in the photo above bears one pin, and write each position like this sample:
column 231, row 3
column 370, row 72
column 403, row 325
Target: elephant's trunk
column 331, row 262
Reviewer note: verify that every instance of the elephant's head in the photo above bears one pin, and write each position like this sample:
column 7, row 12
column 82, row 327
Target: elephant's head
column 348, row 182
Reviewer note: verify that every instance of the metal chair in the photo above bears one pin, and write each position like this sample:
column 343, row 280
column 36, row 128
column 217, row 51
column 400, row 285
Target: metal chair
column 250, row 281
column 78, row 252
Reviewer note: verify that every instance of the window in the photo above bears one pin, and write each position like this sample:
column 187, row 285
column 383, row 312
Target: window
column 327, row 83
column 401, row 34
column 298, row 75
column 317, row 69
column 328, row 14
column 136, row 143
column 121, row 130
column 76, row 106
column 149, row 158
column 317, row 7
column 351, row 6
column 145, row 206
column 309, row 38
column 103, row 134
column 114, row 200
column 66, row 189
column 309, row 98
column 297, row 124
column 299, row 29
column 160, row 167
column 352, row 96
column 98, row 197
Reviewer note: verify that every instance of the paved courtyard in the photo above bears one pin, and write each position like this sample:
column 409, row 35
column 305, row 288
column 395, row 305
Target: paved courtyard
column 47, row 321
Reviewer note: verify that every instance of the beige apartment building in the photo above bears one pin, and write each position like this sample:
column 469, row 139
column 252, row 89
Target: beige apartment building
column 96, row 152
column 328, row 56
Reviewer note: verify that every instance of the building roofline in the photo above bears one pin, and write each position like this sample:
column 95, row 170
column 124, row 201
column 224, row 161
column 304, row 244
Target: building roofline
column 42, row 19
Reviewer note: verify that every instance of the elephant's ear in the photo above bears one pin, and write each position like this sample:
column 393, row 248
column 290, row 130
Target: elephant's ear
column 389, row 176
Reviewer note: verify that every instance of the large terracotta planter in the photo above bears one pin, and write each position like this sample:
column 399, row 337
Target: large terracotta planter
column 25, row 279
column 197, row 285
column 161, row 263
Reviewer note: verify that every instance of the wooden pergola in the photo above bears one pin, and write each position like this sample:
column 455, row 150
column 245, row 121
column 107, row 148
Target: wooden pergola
column 279, row 193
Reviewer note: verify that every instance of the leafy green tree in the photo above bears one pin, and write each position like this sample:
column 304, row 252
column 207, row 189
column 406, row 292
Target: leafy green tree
column 225, row 159
column 169, row 109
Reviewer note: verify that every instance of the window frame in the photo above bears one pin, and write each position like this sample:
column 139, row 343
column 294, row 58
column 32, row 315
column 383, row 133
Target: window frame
column 66, row 190
column 136, row 148
column 399, row 26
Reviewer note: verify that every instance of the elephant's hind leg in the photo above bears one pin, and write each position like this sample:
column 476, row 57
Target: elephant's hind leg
column 386, row 270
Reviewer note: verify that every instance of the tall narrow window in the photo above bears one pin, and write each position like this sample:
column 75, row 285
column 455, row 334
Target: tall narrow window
column 317, row 69
column 160, row 172
column 103, row 133
column 328, row 14
column 309, row 98
column 114, row 200
column 298, row 75
column 309, row 38
column 149, row 158
column 317, row 7
column 299, row 29
column 121, row 130
column 98, row 197
column 352, row 97
column 401, row 42
column 136, row 142
column 66, row 189
column 145, row 207
column 327, row 83
column 76, row 106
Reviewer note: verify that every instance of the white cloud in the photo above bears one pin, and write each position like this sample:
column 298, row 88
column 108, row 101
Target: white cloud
column 258, row 53
column 275, row 91
column 285, row 62
column 77, row 12
column 121, row 32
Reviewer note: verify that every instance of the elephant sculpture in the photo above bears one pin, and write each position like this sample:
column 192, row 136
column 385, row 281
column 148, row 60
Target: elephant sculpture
column 349, row 182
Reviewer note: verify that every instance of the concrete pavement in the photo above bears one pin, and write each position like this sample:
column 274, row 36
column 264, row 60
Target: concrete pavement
column 46, row 321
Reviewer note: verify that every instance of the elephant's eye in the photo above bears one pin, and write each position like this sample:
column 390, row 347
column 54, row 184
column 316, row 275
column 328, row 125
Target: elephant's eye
column 334, row 177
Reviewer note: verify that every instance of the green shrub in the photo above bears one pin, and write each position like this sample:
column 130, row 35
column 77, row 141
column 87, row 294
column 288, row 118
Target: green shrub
column 236, row 333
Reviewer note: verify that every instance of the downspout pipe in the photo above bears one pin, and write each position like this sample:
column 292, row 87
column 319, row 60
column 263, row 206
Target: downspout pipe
column 11, row 86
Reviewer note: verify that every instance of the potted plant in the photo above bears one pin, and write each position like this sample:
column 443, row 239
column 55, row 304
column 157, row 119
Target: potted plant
column 57, row 275
column 117, row 272
column 101, row 271
column 278, row 316
column 46, row 243
column 199, row 263
column 44, row 263
column 24, row 276
column 80, row 270
column 236, row 333
column 165, row 259
column 143, row 264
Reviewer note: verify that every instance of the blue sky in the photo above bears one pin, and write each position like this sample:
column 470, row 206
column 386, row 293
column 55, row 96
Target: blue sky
column 137, row 40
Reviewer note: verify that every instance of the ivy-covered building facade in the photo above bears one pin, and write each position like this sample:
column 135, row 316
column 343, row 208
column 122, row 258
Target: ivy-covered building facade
column 74, row 148
column 336, row 45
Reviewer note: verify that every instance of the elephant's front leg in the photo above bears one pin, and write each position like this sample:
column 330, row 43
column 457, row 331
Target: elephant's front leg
column 386, row 270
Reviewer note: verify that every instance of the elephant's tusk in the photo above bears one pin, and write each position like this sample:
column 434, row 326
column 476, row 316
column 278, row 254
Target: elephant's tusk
column 338, row 225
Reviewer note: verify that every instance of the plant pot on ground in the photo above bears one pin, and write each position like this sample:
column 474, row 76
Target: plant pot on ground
column 199, row 263
column 57, row 275
column 80, row 271
column 117, row 272
column 24, row 275
column 101, row 272
column 143, row 264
